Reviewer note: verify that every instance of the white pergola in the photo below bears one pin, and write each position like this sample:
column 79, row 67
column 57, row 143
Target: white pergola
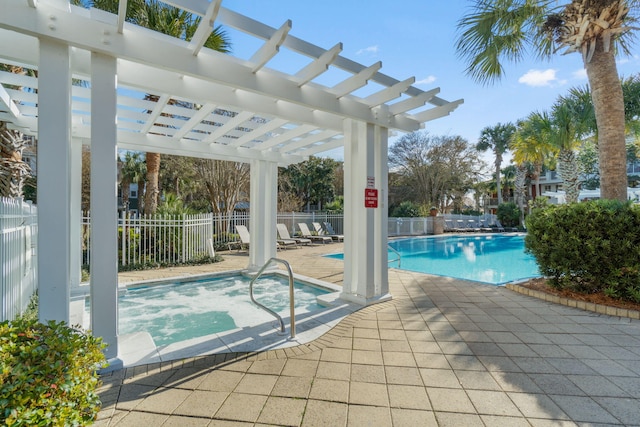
column 232, row 108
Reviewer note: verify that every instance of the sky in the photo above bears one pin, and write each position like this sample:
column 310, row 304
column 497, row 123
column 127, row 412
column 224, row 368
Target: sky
column 417, row 38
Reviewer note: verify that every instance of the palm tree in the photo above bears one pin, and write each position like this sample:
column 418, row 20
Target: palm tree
column 529, row 146
column 498, row 139
column 133, row 170
column 565, row 135
column 499, row 30
column 631, row 93
column 174, row 22
column 13, row 171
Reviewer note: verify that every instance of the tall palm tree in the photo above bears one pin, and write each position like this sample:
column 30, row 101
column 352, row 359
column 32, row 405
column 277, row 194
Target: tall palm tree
column 566, row 135
column 133, row 170
column 631, row 93
column 530, row 146
column 498, row 139
column 174, row 22
column 499, row 30
column 13, row 171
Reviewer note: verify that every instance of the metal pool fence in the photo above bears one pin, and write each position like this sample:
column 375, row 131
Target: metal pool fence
column 183, row 238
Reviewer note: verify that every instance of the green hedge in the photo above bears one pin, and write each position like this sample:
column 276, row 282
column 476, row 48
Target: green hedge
column 48, row 374
column 588, row 247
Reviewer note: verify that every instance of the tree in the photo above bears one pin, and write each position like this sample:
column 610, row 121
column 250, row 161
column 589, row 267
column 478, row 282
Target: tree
column 572, row 119
column 226, row 182
column 501, row 30
column 497, row 139
column 311, row 181
column 631, row 94
column 433, row 170
column 133, row 170
column 530, row 146
column 13, row 171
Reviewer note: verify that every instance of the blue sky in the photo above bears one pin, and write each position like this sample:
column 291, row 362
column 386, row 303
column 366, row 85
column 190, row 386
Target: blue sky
column 417, row 38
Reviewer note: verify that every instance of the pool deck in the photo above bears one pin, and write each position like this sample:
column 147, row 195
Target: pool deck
column 443, row 352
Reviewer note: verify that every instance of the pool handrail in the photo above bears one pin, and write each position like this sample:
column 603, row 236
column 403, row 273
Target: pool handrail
column 395, row 252
column 291, row 300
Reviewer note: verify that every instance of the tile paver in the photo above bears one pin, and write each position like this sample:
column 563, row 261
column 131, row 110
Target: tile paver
column 442, row 353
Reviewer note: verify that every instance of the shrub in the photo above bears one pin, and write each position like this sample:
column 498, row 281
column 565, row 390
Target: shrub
column 588, row 247
column 406, row 209
column 48, row 374
column 508, row 214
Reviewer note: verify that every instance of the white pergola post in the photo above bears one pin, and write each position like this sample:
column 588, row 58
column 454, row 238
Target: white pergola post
column 381, row 214
column 54, row 181
column 263, row 212
column 365, row 255
column 104, row 203
column 75, row 215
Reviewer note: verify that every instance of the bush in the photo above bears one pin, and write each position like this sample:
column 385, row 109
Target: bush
column 588, row 247
column 508, row 214
column 406, row 209
column 48, row 374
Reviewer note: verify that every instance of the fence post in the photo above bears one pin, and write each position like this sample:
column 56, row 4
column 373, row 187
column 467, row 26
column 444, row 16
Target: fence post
column 184, row 238
column 123, row 244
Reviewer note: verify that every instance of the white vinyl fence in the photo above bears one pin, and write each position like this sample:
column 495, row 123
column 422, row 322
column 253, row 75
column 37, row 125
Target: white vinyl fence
column 18, row 237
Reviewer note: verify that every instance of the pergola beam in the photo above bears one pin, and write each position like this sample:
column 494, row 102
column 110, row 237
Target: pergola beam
column 258, row 132
column 314, row 149
column 286, row 136
column 392, row 92
column 437, row 112
column 309, row 141
column 230, row 125
column 9, row 106
column 205, row 27
column 413, row 102
column 155, row 113
column 122, row 14
column 270, row 48
column 356, row 81
column 195, row 120
column 318, row 66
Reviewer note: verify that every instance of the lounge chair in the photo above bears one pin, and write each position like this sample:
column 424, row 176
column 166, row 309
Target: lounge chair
column 326, row 229
column 243, row 234
column 283, row 234
column 449, row 227
column 304, row 229
column 472, row 226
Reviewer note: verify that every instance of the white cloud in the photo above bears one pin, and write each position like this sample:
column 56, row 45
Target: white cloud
column 580, row 74
column 427, row 80
column 539, row 77
column 370, row 51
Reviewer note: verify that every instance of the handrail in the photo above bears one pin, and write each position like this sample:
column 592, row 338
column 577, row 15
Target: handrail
column 291, row 300
column 395, row 252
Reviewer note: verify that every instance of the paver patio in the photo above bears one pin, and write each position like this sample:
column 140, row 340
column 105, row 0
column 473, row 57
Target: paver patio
column 442, row 352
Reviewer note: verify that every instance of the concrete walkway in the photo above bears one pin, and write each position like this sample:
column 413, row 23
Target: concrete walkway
column 442, row 352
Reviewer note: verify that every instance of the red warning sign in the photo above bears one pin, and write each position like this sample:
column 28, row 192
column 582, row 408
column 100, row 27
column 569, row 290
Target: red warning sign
column 370, row 197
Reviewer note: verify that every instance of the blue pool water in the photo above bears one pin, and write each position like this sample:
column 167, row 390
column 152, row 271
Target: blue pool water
column 178, row 311
column 494, row 258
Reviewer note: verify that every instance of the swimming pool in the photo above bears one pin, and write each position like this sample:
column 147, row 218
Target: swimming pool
column 177, row 311
column 489, row 258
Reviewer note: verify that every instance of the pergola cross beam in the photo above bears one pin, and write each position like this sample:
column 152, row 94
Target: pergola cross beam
column 270, row 48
